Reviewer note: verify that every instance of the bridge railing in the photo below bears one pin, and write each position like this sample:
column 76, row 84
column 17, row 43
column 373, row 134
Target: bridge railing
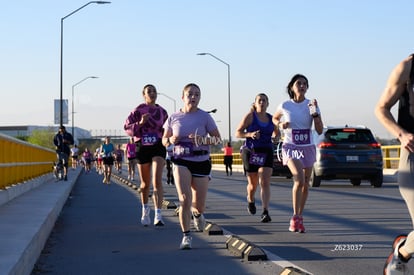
column 390, row 153
column 391, row 156
column 21, row 161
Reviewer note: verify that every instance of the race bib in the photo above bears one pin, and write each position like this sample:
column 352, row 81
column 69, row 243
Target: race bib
column 301, row 136
column 184, row 149
column 131, row 154
column 257, row 159
column 149, row 139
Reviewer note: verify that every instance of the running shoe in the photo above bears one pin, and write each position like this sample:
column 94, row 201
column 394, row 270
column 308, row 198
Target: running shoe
column 186, row 243
column 199, row 222
column 158, row 220
column 145, row 219
column 265, row 217
column 301, row 227
column 293, row 225
column 394, row 264
column 251, row 208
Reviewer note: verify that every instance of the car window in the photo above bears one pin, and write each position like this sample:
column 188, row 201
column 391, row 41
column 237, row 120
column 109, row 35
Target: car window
column 346, row 136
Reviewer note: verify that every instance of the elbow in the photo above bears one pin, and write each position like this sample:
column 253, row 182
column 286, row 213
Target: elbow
column 378, row 111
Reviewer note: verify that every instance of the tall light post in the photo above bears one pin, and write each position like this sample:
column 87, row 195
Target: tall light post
column 172, row 99
column 73, row 103
column 61, row 52
column 228, row 86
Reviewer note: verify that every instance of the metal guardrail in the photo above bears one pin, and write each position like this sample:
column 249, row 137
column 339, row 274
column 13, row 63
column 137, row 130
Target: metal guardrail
column 21, row 161
column 391, row 156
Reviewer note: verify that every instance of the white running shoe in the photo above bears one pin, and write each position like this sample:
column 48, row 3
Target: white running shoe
column 394, row 265
column 186, row 242
column 199, row 222
column 158, row 220
column 145, row 219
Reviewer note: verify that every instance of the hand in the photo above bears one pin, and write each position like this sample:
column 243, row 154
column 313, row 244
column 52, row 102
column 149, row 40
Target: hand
column 144, row 118
column 407, row 141
column 284, row 125
column 255, row 135
column 173, row 139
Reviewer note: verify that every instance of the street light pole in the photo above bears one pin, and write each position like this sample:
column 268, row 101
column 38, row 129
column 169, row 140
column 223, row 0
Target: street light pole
column 170, row 98
column 61, row 52
column 228, row 86
column 73, row 103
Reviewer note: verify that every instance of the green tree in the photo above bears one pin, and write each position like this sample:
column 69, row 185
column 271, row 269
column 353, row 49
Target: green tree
column 43, row 138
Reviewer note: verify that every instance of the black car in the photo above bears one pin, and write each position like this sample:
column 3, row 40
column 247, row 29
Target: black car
column 278, row 168
column 348, row 153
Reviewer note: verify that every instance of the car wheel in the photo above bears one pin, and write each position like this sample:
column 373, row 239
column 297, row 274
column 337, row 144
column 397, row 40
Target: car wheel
column 315, row 181
column 377, row 180
column 356, row 182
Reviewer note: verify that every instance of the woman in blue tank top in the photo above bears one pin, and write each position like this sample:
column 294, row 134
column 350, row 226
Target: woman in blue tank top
column 257, row 128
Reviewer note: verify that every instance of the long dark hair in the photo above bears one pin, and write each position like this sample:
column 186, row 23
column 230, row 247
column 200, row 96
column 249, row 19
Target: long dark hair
column 292, row 81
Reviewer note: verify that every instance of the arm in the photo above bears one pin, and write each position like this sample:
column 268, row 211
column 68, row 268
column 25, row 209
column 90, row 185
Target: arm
column 241, row 129
column 134, row 122
column 277, row 120
column 394, row 88
column 55, row 141
column 70, row 140
column 317, row 119
column 167, row 138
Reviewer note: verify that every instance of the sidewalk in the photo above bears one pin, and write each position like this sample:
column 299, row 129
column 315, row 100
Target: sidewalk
column 28, row 213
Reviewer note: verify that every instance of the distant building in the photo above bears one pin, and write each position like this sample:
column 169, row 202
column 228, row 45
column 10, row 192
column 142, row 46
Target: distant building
column 26, row 130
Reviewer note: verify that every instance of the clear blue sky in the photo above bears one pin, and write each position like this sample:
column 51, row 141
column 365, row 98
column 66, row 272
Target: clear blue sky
column 345, row 48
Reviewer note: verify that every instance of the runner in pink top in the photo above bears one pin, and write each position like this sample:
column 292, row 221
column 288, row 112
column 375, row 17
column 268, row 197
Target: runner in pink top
column 130, row 150
column 145, row 125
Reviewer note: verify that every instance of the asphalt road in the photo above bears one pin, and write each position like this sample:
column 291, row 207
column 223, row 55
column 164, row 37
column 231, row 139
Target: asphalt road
column 349, row 231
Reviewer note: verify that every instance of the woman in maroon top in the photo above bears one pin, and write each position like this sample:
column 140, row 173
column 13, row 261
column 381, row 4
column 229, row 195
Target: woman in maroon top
column 145, row 125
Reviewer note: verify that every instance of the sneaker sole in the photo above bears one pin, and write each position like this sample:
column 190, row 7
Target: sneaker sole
column 145, row 223
column 159, row 223
column 265, row 219
column 251, row 212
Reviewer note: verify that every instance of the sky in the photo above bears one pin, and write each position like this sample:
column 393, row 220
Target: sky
column 345, row 48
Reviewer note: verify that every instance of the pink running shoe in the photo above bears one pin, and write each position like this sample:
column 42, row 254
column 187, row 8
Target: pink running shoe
column 294, row 222
column 301, row 228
